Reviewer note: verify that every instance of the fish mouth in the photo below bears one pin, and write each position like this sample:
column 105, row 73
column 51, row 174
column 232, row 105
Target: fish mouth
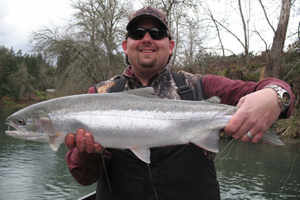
column 14, row 133
column 20, row 134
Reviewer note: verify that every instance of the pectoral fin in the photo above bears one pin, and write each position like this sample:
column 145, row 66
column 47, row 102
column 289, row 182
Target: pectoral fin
column 142, row 153
column 55, row 140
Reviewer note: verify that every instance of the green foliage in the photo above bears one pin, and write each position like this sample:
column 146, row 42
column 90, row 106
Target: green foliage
column 44, row 95
column 22, row 74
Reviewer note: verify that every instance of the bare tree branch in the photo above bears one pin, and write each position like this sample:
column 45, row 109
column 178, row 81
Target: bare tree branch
column 246, row 48
column 259, row 35
column 267, row 18
column 211, row 16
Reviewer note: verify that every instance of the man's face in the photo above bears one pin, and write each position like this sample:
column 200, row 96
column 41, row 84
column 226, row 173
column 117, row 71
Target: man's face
column 146, row 55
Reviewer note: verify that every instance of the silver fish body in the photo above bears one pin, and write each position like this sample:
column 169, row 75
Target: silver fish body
column 135, row 120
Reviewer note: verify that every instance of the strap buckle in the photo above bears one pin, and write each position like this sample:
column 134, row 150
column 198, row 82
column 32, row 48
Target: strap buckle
column 184, row 89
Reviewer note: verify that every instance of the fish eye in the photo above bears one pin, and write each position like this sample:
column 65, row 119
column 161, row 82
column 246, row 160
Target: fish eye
column 20, row 121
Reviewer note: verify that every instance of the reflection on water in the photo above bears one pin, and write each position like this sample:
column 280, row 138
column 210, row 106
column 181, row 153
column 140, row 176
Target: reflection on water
column 259, row 171
column 31, row 170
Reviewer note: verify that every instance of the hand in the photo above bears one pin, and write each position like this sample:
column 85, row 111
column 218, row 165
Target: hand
column 83, row 141
column 257, row 112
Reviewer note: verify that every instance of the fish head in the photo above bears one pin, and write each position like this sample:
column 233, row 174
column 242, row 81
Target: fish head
column 29, row 125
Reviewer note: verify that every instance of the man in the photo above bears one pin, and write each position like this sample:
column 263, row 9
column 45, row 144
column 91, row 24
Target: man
column 176, row 172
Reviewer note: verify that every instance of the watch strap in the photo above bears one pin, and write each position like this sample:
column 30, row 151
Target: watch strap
column 280, row 91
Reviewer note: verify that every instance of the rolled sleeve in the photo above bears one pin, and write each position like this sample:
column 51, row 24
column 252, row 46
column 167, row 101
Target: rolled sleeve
column 85, row 168
column 231, row 91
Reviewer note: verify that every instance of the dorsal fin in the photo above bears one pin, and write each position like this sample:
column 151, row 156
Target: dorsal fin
column 213, row 99
column 143, row 92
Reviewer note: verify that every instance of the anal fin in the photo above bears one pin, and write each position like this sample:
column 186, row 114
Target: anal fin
column 142, row 153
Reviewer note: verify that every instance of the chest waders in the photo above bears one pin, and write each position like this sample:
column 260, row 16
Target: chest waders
column 180, row 172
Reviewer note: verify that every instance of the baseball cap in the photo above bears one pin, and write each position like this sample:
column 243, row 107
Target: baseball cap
column 148, row 12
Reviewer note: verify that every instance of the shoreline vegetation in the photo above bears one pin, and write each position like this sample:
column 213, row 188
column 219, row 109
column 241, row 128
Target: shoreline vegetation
column 28, row 100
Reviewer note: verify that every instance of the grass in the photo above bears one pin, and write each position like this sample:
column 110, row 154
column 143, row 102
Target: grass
column 44, row 95
column 30, row 99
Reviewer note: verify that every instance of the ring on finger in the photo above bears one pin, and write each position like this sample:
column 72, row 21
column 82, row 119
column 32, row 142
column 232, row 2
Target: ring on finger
column 250, row 135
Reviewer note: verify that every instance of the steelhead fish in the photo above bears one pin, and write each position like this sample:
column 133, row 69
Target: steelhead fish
column 135, row 120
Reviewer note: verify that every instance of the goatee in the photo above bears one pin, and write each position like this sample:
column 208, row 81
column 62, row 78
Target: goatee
column 149, row 64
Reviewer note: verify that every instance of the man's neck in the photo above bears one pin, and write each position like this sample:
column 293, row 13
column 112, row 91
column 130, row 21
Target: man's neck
column 146, row 77
column 143, row 78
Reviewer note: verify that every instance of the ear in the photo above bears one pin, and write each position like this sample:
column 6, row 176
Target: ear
column 171, row 46
column 124, row 45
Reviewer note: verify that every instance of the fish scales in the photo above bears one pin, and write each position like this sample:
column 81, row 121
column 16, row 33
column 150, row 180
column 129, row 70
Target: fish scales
column 136, row 120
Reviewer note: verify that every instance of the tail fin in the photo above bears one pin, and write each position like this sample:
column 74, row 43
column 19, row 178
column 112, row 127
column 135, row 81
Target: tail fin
column 271, row 137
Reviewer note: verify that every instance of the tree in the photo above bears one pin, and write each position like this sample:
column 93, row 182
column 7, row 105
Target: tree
column 274, row 67
column 8, row 65
column 182, row 24
column 88, row 51
column 21, row 74
column 240, row 10
column 210, row 14
column 101, row 24
column 19, row 83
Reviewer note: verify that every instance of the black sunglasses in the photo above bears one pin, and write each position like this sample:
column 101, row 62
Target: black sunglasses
column 155, row 33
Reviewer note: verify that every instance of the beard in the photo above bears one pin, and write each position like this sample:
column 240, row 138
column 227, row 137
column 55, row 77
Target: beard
column 147, row 63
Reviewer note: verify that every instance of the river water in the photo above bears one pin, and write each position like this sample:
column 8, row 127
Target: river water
column 31, row 170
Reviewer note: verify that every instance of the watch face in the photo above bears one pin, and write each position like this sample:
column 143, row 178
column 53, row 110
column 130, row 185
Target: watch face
column 286, row 98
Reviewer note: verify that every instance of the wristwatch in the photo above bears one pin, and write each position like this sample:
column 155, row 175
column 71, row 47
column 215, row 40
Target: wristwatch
column 284, row 98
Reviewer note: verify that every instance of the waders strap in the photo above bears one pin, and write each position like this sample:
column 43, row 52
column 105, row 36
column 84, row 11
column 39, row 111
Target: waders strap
column 183, row 89
column 120, row 86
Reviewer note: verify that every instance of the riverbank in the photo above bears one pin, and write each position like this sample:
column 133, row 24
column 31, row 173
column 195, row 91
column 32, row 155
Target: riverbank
column 23, row 103
column 291, row 141
column 32, row 99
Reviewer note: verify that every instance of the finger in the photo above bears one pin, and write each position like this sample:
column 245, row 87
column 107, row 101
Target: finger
column 91, row 145
column 70, row 141
column 98, row 148
column 256, row 136
column 89, row 142
column 253, row 125
column 248, row 136
column 257, row 130
column 237, row 126
column 80, row 140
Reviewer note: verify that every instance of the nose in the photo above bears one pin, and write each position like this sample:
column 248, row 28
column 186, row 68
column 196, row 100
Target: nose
column 147, row 38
